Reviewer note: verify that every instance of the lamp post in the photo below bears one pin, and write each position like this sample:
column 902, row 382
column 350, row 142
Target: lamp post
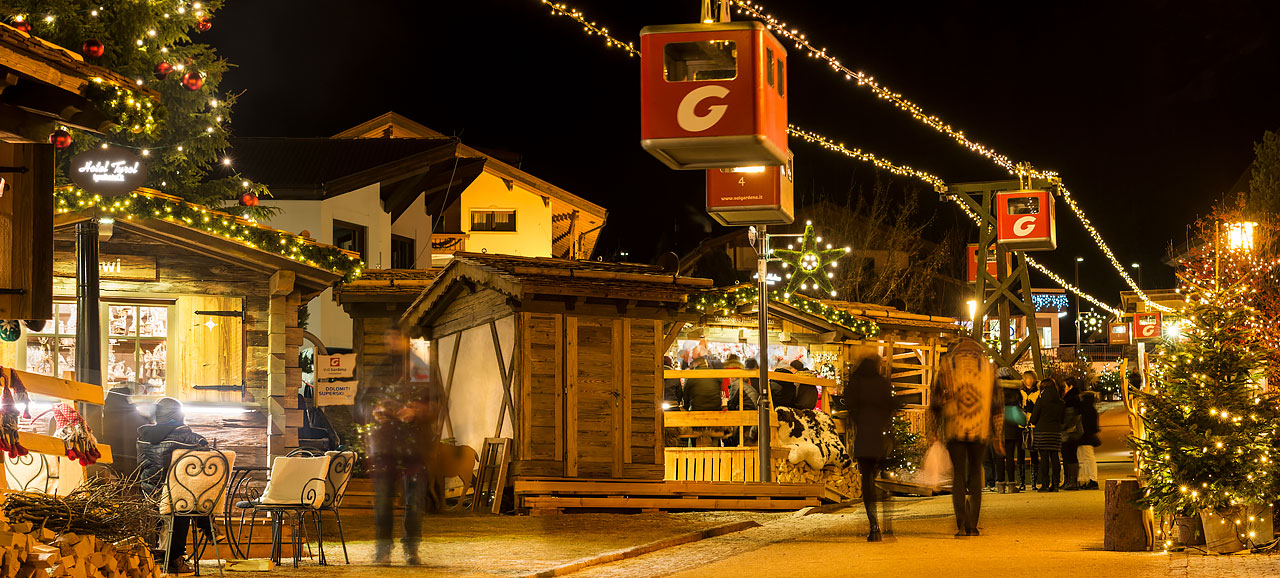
column 1077, row 312
column 1138, row 266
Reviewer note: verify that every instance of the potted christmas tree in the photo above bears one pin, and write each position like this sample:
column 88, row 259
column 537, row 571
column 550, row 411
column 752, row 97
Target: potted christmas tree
column 1209, row 424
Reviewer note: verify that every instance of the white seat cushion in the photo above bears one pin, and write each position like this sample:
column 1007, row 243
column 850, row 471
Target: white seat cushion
column 296, row 481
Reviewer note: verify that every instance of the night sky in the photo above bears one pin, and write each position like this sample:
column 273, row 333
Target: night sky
column 1149, row 110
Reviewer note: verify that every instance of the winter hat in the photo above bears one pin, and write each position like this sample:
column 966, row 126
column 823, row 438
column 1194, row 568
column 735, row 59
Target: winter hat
column 168, row 410
column 1006, row 373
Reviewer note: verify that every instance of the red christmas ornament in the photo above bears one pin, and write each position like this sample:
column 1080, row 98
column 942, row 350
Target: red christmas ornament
column 93, row 48
column 23, row 25
column 203, row 24
column 163, row 70
column 248, row 199
column 60, row 139
column 193, row 80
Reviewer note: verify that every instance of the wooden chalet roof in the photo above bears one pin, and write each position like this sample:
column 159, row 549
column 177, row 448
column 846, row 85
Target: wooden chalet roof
column 520, row 278
column 310, row 278
column 378, row 285
column 574, row 219
column 321, row 168
column 888, row 318
column 48, row 81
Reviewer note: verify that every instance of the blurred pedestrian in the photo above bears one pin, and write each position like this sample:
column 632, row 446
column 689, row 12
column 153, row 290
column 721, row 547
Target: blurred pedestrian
column 871, row 402
column 120, row 423
column 1030, row 393
column 1072, row 431
column 1047, row 421
column 967, row 408
column 402, row 423
column 1088, row 478
column 1015, row 420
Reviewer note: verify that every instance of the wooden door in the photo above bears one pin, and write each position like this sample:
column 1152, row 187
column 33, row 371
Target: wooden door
column 593, row 400
column 207, row 350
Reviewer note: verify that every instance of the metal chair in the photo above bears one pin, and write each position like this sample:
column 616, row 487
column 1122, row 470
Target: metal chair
column 295, row 490
column 194, row 488
column 341, row 465
column 31, row 473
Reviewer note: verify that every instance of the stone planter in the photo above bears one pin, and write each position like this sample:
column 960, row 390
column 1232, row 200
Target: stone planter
column 1223, row 534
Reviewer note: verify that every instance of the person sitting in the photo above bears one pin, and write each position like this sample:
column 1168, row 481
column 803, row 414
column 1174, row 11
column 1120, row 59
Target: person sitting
column 784, row 392
column 156, row 444
column 702, row 393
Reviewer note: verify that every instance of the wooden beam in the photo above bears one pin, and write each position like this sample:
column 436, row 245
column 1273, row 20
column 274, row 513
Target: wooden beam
column 60, row 388
column 281, row 283
column 670, row 336
column 53, row 446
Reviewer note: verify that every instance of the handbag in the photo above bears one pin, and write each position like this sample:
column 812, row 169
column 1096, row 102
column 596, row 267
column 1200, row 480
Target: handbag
column 1014, row 415
column 936, row 471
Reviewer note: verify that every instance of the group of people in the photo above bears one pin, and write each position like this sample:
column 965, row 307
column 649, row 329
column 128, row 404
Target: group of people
column 715, row 394
column 1056, row 425
column 976, row 409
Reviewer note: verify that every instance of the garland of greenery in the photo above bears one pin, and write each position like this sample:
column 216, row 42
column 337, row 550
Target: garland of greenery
column 734, row 296
column 147, row 205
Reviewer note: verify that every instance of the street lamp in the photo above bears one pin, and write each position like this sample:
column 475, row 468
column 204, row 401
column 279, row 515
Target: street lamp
column 1240, row 236
column 973, row 312
column 1077, row 312
column 1139, row 268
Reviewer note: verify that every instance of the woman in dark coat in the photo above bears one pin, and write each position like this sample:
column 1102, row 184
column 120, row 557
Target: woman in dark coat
column 1070, row 433
column 1047, row 419
column 1014, row 454
column 871, row 406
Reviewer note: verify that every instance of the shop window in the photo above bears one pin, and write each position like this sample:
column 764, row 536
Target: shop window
column 782, row 79
column 402, row 252
column 493, row 221
column 137, row 347
column 768, row 65
column 52, row 351
column 351, row 237
column 702, row 60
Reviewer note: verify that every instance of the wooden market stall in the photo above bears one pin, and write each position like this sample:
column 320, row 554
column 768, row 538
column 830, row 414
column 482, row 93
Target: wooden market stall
column 826, row 336
column 194, row 306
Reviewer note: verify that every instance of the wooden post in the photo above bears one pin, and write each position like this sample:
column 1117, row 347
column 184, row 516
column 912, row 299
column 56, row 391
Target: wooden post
column 283, row 374
column 1124, row 529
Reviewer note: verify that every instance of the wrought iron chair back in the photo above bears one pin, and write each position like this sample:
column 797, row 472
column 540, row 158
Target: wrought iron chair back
column 31, row 473
column 196, row 482
column 341, row 465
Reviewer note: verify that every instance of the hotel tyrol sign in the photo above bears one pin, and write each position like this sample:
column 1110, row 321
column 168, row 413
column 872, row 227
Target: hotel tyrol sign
column 109, row 171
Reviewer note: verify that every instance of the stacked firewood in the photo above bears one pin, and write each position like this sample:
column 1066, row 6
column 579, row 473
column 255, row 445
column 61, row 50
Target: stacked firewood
column 31, row 552
column 846, row 481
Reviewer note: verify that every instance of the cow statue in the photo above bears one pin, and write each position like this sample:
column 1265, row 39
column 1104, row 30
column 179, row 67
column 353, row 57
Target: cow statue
column 812, row 437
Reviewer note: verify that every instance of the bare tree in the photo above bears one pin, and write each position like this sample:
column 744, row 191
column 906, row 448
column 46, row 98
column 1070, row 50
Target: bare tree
column 891, row 259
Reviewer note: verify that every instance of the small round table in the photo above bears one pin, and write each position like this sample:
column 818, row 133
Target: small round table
column 240, row 488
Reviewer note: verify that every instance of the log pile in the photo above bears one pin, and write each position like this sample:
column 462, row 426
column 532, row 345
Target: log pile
column 846, row 481
column 31, row 552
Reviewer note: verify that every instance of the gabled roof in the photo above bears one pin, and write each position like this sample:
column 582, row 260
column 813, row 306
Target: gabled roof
column 522, row 277
column 386, row 285
column 321, row 168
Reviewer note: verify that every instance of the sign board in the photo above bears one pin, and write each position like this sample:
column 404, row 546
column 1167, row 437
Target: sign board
column 756, row 195
column 1146, row 326
column 110, row 267
column 1025, row 220
column 109, row 171
column 336, row 393
column 1118, row 334
column 340, row 366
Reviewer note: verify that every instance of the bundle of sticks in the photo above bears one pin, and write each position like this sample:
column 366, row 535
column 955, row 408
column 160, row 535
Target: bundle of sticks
column 109, row 508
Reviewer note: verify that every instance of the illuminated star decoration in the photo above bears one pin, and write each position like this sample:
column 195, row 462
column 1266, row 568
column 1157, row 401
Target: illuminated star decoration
column 810, row 263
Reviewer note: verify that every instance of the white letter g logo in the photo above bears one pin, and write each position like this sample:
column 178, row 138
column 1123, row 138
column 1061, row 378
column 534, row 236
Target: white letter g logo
column 1024, row 225
column 690, row 120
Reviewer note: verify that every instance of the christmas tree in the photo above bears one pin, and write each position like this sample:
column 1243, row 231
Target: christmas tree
column 183, row 136
column 1209, row 424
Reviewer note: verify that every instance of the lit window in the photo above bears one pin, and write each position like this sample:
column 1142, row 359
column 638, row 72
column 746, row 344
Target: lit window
column 703, row 60
column 493, row 220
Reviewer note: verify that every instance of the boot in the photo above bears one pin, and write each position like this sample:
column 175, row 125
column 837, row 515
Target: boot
column 382, row 552
column 1071, row 481
column 1002, row 487
column 1015, row 489
column 874, row 535
column 411, row 553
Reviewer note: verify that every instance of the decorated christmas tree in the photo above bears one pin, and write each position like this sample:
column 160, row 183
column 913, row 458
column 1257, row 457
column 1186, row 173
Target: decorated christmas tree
column 182, row 136
column 1209, row 423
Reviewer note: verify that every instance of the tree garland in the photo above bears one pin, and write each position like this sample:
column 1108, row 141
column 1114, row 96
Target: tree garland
column 732, row 297
column 145, row 205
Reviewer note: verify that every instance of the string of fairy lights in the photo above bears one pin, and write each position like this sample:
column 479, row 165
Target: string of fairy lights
column 936, row 123
column 143, row 204
column 594, row 29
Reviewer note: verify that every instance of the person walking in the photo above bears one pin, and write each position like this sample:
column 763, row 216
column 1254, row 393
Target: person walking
column 1088, row 477
column 1030, row 393
column 120, row 423
column 1071, row 433
column 156, row 444
column 871, row 402
column 966, row 408
column 1015, row 421
column 1047, row 420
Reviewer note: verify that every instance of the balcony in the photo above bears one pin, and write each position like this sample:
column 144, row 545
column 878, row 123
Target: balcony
column 448, row 243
